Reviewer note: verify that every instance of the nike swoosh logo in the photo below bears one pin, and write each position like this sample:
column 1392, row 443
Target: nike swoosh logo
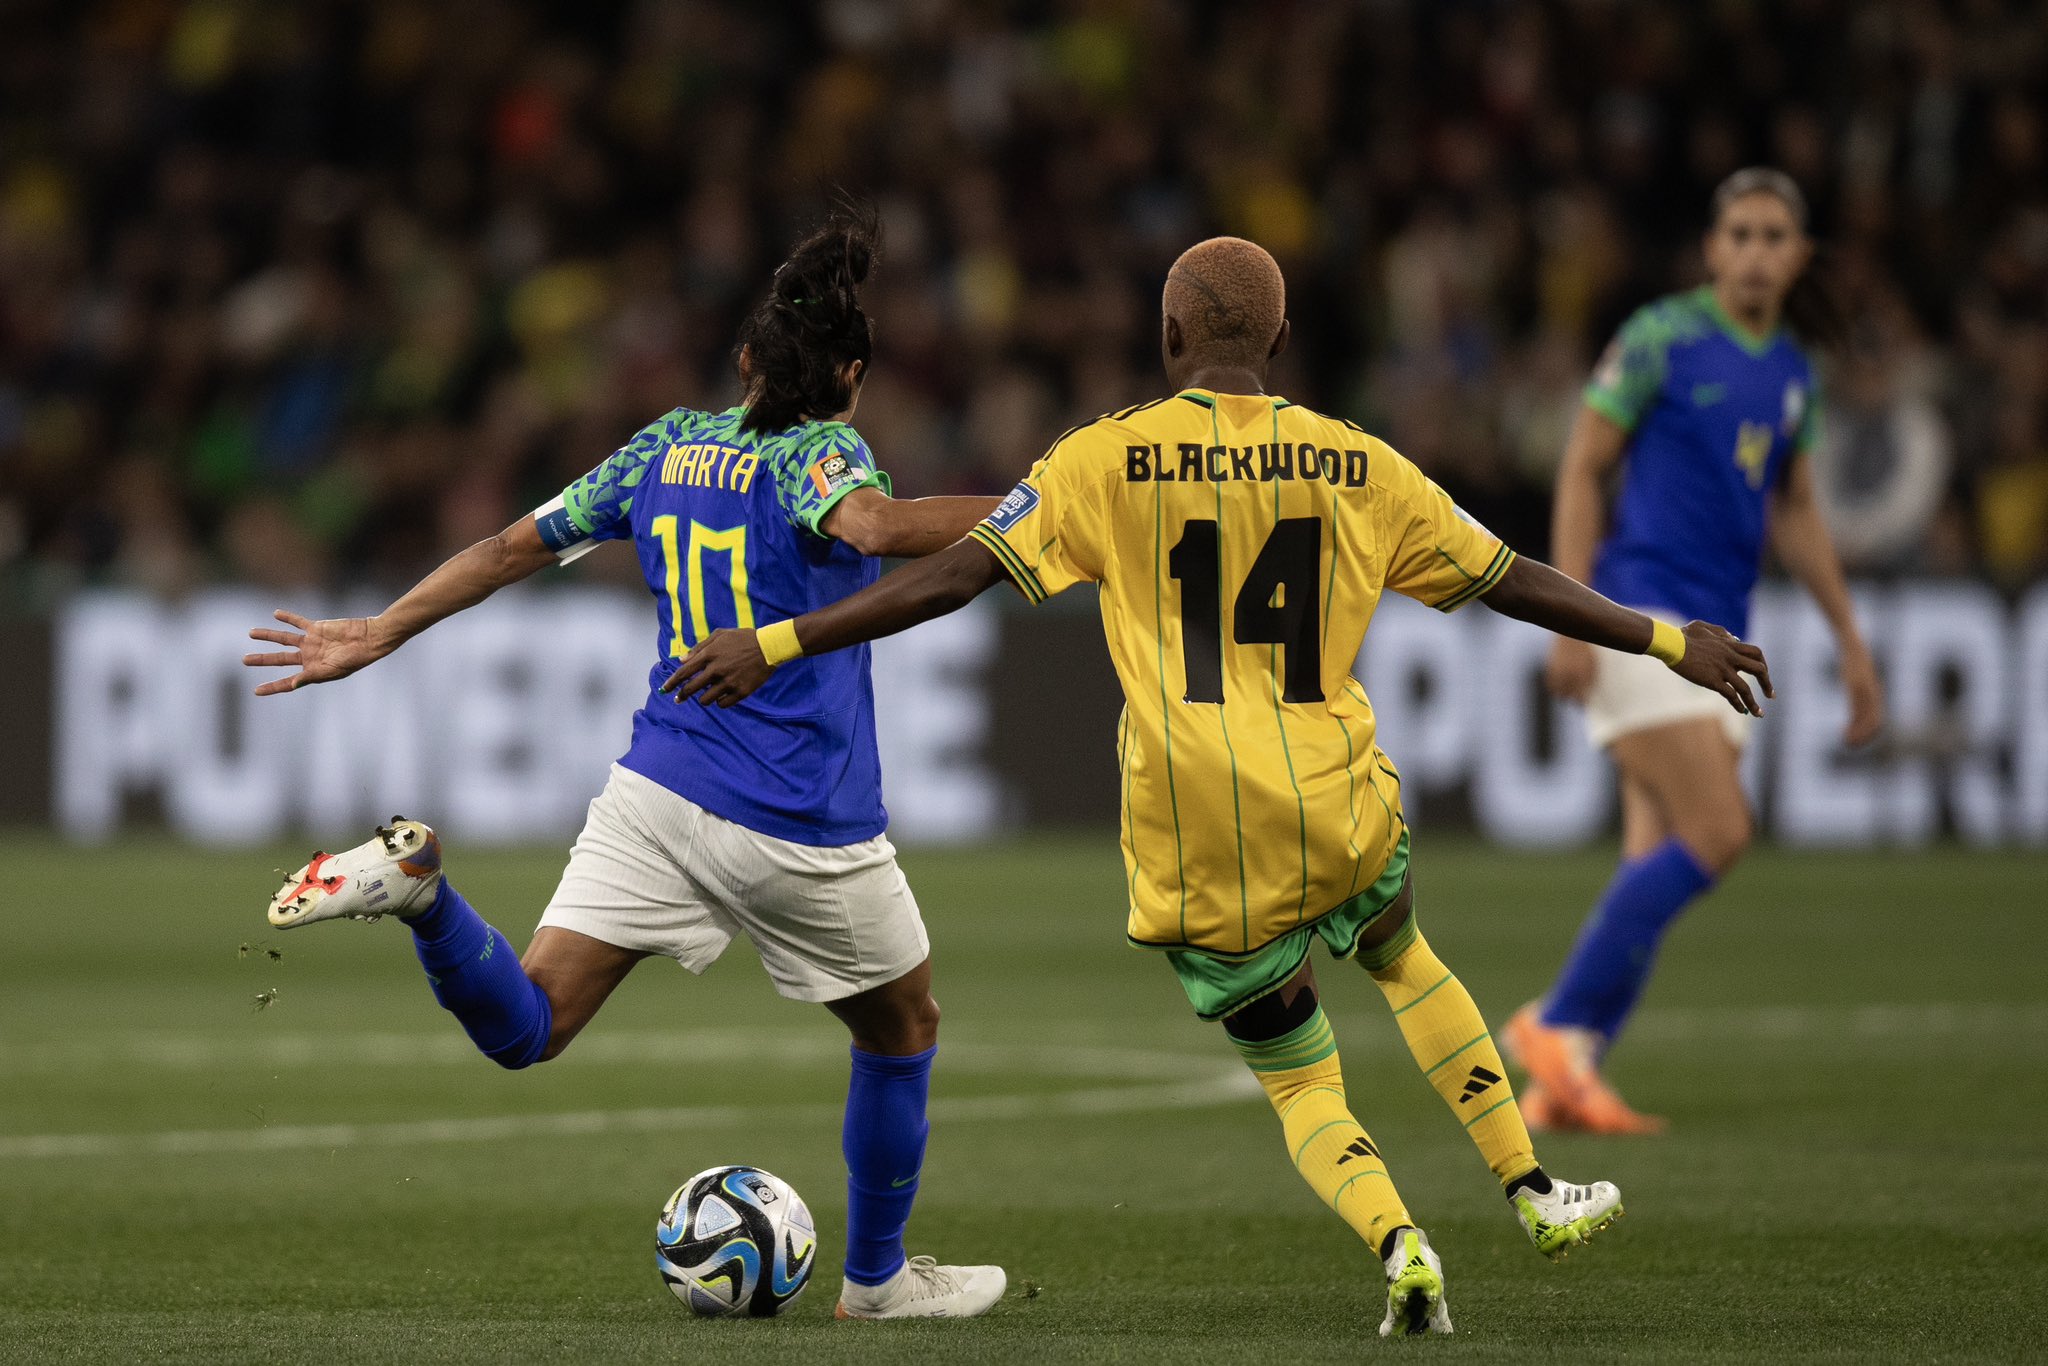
column 904, row 1182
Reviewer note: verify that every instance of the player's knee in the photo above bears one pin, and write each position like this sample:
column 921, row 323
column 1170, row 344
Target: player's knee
column 1720, row 838
column 909, row 1024
column 1389, row 936
column 921, row 1023
column 1271, row 1017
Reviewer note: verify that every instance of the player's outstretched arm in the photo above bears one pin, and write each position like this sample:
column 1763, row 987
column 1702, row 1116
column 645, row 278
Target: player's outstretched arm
column 873, row 523
column 1703, row 653
column 1578, row 518
column 1799, row 535
column 323, row 651
column 729, row 664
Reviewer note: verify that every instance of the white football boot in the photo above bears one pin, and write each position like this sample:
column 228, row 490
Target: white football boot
column 1415, row 1288
column 922, row 1289
column 395, row 872
column 1567, row 1216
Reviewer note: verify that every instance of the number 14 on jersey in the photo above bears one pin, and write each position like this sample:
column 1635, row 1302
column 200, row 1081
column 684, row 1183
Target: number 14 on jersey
column 1278, row 605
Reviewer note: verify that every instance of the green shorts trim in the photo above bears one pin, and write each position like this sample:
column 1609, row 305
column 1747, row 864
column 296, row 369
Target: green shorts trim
column 1217, row 987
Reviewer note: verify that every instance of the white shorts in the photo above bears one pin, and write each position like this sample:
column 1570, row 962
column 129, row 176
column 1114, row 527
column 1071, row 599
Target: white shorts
column 1635, row 692
column 656, row 873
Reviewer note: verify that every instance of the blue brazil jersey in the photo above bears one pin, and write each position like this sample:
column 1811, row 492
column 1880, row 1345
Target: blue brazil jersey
column 727, row 526
column 1714, row 415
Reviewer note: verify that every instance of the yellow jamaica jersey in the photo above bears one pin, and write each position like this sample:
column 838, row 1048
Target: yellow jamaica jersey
column 1241, row 544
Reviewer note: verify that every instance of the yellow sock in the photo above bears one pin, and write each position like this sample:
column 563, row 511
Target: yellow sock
column 1452, row 1047
column 1330, row 1149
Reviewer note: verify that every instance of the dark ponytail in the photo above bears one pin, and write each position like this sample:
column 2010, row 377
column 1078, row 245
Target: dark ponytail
column 801, row 338
column 1813, row 309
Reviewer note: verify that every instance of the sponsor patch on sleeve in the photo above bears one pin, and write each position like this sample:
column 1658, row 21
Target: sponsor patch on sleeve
column 1469, row 520
column 1014, row 508
column 833, row 473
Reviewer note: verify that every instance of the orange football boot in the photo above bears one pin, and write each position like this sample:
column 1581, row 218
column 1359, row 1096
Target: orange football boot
column 1541, row 1112
column 1601, row 1110
column 1565, row 1091
column 1547, row 1055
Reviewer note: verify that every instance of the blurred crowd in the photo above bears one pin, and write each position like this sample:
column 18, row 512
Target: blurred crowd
column 316, row 293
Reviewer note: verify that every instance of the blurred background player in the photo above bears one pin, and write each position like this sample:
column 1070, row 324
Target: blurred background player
column 1702, row 415
column 766, row 820
column 1242, row 544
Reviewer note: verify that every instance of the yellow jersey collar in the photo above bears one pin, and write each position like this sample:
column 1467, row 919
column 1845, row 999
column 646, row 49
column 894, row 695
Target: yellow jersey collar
column 1207, row 398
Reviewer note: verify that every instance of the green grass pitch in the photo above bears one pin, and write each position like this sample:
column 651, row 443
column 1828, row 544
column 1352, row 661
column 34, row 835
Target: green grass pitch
column 1853, row 1050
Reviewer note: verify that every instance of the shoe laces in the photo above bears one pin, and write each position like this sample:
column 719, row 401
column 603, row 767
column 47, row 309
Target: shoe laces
column 926, row 1281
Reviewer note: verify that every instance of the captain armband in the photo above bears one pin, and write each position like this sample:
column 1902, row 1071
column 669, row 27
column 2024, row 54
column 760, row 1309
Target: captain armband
column 559, row 532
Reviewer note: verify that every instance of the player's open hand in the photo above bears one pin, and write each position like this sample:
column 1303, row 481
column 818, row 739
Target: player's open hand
column 1716, row 660
column 726, row 666
column 1569, row 671
column 1866, row 697
column 321, row 651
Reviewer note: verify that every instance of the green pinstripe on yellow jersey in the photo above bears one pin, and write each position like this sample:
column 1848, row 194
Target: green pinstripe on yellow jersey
column 1242, row 544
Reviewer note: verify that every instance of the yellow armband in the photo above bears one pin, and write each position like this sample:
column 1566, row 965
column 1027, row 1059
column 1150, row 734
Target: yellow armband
column 778, row 642
column 1667, row 642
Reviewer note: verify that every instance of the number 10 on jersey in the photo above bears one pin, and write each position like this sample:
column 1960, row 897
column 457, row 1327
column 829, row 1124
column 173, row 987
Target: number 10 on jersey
column 703, row 540
column 1277, row 605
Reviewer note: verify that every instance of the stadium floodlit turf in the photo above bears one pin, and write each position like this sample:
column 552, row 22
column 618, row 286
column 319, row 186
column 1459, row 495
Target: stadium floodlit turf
column 1853, row 1050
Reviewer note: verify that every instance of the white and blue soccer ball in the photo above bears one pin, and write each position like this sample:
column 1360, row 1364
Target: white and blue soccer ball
column 736, row 1241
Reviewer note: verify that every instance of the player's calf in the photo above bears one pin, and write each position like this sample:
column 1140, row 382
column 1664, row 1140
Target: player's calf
column 1451, row 1045
column 1301, row 1074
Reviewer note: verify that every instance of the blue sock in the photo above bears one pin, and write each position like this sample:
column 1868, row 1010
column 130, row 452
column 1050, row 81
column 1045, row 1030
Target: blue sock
column 884, row 1144
column 1611, row 962
column 477, row 976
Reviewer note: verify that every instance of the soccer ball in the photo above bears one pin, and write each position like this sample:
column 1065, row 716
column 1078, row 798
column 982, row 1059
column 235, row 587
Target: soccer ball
column 735, row 1241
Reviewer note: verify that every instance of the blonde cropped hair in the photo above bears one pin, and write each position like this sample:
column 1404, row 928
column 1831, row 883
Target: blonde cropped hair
column 1229, row 297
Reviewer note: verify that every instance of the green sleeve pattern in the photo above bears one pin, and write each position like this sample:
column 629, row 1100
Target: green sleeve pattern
column 1809, row 433
column 814, row 473
column 600, row 503
column 1632, row 369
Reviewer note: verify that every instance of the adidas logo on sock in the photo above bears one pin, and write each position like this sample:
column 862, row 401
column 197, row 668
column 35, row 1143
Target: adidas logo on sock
column 1477, row 1083
column 1358, row 1147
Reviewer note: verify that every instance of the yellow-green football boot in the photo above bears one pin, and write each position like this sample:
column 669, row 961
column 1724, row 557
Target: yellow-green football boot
column 1415, row 1287
column 1566, row 1215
